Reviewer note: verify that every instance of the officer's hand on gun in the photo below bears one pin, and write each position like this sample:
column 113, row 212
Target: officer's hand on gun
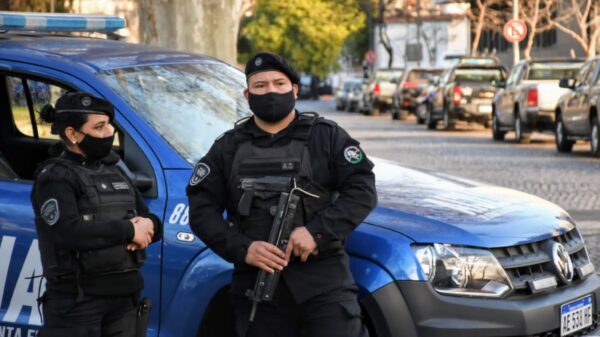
column 143, row 233
column 269, row 258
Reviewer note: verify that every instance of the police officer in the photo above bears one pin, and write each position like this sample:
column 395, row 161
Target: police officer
column 92, row 226
column 316, row 295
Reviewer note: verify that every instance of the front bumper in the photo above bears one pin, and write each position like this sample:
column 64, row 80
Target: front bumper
column 415, row 309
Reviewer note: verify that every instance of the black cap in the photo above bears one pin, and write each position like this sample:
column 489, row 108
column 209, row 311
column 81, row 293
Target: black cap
column 81, row 102
column 265, row 61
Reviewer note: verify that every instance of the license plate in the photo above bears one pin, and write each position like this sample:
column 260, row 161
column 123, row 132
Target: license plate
column 485, row 108
column 576, row 315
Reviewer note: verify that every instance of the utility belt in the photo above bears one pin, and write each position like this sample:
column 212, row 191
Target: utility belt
column 98, row 262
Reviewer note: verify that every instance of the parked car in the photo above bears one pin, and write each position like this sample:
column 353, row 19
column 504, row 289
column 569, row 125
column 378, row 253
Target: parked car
column 379, row 91
column 439, row 256
column 577, row 110
column 527, row 101
column 348, row 96
column 465, row 93
column 405, row 98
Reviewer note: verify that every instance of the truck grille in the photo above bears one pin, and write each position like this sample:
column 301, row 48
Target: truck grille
column 527, row 263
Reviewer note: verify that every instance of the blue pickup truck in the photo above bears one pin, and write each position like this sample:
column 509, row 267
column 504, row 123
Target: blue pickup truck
column 439, row 256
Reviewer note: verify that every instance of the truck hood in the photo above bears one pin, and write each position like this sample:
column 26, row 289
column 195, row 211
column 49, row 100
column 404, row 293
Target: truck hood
column 431, row 207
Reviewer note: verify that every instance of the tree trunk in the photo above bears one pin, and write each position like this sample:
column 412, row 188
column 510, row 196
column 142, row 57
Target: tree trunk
column 533, row 22
column 201, row 26
column 479, row 28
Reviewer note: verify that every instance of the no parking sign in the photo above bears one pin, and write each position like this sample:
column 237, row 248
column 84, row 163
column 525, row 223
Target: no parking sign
column 515, row 31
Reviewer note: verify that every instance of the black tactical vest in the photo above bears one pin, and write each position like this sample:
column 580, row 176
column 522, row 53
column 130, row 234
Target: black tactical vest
column 290, row 160
column 107, row 195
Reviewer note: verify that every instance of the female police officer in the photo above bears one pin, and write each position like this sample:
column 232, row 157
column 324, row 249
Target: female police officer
column 92, row 225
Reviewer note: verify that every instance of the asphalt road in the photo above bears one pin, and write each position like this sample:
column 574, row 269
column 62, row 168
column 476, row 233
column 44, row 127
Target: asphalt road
column 571, row 181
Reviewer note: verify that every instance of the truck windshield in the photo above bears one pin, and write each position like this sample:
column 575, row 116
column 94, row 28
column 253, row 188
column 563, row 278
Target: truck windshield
column 388, row 75
column 478, row 74
column 189, row 105
column 552, row 71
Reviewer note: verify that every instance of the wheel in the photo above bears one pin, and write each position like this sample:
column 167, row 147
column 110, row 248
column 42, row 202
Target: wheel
column 521, row 136
column 560, row 136
column 338, row 107
column 595, row 137
column 449, row 124
column 431, row 123
column 496, row 133
column 395, row 114
column 421, row 113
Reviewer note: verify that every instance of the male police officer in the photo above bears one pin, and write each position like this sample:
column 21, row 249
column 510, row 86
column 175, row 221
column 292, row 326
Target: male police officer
column 317, row 294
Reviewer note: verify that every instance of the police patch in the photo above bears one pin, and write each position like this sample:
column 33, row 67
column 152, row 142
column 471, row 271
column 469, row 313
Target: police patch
column 50, row 212
column 202, row 171
column 258, row 61
column 353, row 154
column 86, row 101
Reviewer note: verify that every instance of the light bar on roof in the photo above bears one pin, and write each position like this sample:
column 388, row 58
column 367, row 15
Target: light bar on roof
column 59, row 22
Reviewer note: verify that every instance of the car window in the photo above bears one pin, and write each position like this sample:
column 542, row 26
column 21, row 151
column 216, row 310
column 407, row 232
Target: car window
column 514, row 74
column 478, row 74
column 591, row 74
column 552, row 71
column 26, row 117
column 388, row 75
column 189, row 105
column 422, row 76
column 582, row 74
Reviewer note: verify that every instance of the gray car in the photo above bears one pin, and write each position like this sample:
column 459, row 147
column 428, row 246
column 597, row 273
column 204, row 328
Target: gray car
column 348, row 96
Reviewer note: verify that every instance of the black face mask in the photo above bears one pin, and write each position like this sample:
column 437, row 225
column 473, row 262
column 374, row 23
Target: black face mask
column 272, row 107
column 96, row 148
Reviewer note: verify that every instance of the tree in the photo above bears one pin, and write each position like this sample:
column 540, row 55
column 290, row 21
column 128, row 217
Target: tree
column 310, row 34
column 203, row 26
column 539, row 16
column 586, row 14
column 35, row 5
column 485, row 15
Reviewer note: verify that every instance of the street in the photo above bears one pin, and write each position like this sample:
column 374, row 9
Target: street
column 572, row 181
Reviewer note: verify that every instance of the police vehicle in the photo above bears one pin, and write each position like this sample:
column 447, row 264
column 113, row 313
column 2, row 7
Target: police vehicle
column 439, row 256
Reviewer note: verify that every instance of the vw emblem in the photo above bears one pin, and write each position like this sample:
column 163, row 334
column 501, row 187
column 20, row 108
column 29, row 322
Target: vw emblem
column 562, row 262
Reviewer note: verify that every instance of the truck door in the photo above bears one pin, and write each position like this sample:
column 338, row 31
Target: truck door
column 573, row 100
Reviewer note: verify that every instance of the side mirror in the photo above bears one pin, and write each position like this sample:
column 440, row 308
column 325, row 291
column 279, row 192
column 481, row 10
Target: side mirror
column 142, row 182
column 567, row 83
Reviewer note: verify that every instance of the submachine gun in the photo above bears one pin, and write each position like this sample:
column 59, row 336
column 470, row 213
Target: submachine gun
column 282, row 226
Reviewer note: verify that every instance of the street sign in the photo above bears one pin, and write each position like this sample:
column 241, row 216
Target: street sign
column 370, row 57
column 515, row 31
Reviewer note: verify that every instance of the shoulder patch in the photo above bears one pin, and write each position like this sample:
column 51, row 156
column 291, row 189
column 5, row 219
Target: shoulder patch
column 353, row 154
column 50, row 211
column 200, row 172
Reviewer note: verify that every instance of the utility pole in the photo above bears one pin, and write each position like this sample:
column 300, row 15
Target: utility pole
column 516, row 43
column 419, row 33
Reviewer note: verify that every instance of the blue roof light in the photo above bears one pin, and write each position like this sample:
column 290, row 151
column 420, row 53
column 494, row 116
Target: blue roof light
column 59, row 22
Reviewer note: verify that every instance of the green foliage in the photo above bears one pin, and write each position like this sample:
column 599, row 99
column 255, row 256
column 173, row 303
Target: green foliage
column 310, row 34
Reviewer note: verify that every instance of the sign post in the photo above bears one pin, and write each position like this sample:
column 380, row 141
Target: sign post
column 515, row 31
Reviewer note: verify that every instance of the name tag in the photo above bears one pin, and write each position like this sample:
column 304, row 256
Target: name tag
column 120, row 185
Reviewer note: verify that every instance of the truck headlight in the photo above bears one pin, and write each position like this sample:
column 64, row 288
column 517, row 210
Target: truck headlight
column 462, row 271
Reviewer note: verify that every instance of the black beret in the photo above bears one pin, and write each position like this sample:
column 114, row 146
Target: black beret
column 81, row 102
column 264, row 61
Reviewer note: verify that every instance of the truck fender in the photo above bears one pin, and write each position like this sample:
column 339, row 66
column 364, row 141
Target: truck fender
column 203, row 278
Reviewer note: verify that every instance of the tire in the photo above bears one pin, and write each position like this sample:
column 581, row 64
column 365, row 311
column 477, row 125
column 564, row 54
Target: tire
column 496, row 133
column 449, row 124
column 421, row 113
column 431, row 123
column 560, row 136
column 395, row 115
column 595, row 137
column 521, row 136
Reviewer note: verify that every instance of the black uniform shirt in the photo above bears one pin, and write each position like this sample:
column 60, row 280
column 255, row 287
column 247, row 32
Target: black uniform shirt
column 72, row 233
column 338, row 164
